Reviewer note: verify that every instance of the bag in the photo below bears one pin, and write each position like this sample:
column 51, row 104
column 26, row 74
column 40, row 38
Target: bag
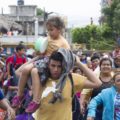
column 14, row 61
column 14, row 65
column 75, row 103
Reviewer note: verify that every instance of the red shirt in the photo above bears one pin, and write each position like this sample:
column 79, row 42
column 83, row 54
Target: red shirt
column 16, row 60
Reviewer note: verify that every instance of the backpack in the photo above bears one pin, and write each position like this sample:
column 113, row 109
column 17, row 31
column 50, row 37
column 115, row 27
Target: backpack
column 14, row 80
column 75, row 102
column 72, row 84
column 14, row 61
column 13, row 66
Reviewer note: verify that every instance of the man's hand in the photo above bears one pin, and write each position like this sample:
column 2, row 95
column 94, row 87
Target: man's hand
column 90, row 118
column 83, row 106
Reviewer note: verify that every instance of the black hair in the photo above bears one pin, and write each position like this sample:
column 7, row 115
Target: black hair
column 95, row 57
column 56, row 56
column 118, row 73
column 56, row 22
column 20, row 47
column 105, row 59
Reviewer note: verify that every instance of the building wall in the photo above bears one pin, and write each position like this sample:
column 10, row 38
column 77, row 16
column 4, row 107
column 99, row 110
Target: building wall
column 23, row 10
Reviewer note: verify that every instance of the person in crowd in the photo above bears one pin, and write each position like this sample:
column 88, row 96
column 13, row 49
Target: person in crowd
column 55, row 40
column 13, row 62
column 106, row 79
column 116, row 51
column 56, row 105
column 116, row 61
column 16, row 60
column 110, row 100
column 5, row 105
column 83, row 58
column 76, row 97
column 95, row 59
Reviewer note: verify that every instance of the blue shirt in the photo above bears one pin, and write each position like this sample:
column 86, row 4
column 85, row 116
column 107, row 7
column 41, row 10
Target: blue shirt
column 117, row 106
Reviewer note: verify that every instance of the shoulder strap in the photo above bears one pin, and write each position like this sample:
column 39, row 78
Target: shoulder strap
column 14, row 59
column 23, row 58
column 72, row 83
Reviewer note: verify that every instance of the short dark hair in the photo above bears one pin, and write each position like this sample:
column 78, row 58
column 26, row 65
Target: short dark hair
column 20, row 47
column 56, row 56
column 95, row 57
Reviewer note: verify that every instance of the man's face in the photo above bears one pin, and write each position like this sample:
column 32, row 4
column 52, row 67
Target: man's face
column 95, row 62
column 21, row 52
column 55, row 68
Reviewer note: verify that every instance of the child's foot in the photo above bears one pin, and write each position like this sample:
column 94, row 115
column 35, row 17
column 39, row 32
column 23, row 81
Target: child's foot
column 17, row 101
column 32, row 107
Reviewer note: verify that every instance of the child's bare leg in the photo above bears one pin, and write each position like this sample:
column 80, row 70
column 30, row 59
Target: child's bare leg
column 20, row 69
column 24, row 77
column 36, row 85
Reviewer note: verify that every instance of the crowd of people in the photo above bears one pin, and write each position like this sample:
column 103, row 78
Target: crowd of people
column 59, row 84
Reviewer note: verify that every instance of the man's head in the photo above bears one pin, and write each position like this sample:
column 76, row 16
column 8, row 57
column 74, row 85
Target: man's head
column 95, row 61
column 20, row 49
column 55, row 65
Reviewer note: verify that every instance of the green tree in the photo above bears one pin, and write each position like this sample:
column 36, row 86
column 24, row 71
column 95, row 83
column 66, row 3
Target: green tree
column 97, row 37
column 40, row 12
column 112, row 17
column 106, row 31
column 83, row 35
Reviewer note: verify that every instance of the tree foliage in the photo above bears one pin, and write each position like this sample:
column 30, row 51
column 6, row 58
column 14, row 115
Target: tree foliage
column 104, row 36
column 40, row 11
column 97, row 37
column 112, row 17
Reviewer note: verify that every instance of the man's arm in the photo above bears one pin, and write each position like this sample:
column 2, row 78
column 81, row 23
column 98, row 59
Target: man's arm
column 92, row 80
column 84, row 99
